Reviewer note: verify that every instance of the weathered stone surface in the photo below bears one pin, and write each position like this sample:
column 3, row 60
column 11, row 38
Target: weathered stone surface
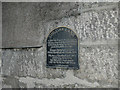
column 119, row 44
column 99, row 63
column 24, row 27
column 0, row 82
column 0, row 60
column 59, row 1
column 10, row 81
column 90, row 27
column 0, row 69
column 119, row 62
column 0, row 25
column 70, row 79
column 38, row 85
column 95, row 24
column 28, row 62
column 21, row 27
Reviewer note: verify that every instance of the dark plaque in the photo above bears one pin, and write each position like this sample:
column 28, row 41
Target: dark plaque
column 62, row 49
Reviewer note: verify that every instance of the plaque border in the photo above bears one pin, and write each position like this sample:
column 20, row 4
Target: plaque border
column 53, row 67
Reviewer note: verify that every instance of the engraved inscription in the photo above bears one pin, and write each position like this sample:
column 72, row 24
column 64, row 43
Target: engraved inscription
column 62, row 49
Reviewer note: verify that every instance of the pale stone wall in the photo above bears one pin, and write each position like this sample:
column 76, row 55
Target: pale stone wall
column 0, row 69
column 0, row 43
column 96, row 25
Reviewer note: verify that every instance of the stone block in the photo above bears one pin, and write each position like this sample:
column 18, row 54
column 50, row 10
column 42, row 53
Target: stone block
column 99, row 63
column 21, row 26
column 0, row 24
column 97, row 25
column 0, row 60
column 28, row 62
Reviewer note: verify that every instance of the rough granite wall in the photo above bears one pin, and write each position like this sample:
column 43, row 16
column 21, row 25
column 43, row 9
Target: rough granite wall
column 29, row 24
column 119, row 43
column 0, row 69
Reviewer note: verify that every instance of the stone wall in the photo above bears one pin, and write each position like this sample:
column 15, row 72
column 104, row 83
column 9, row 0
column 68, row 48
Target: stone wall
column 25, row 30
column 0, row 42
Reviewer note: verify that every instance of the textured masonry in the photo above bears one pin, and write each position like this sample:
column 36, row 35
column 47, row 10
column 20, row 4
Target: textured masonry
column 95, row 24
